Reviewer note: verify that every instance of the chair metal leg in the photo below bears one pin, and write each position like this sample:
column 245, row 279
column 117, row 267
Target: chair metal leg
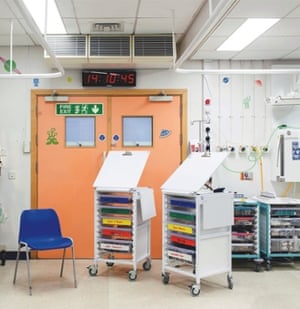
column 74, row 270
column 62, row 263
column 28, row 270
column 27, row 264
column 73, row 261
column 17, row 264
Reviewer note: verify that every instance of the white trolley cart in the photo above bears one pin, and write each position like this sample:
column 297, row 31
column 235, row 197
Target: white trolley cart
column 196, row 223
column 122, row 213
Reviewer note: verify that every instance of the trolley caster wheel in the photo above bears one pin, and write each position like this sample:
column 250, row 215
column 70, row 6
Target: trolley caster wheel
column 268, row 265
column 93, row 270
column 109, row 264
column 147, row 265
column 165, row 278
column 195, row 290
column 132, row 275
column 3, row 253
column 257, row 268
column 230, row 282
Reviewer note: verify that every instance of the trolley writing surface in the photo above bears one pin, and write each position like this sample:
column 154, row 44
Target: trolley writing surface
column 122, row 169
column 194, row 172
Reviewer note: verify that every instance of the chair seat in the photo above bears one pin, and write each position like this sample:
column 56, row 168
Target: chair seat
column 42, row 243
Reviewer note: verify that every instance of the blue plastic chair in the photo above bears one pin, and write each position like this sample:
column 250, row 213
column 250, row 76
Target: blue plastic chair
column 40, row 230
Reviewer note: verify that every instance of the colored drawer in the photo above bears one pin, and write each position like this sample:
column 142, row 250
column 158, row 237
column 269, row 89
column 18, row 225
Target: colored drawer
column 183, row 240
column 181, row 202
column 180, row 256
column 115, row 199
column 182, row 216
column 180, row 228
column 117, row 233
column 114, row 210
column 118, row 222
column 115, row 247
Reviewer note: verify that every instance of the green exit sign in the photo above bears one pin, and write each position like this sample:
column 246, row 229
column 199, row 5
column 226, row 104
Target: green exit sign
column 79, row 109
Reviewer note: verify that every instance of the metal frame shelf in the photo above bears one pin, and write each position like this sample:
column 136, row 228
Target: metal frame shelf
column 245, row 232
column 279, row 229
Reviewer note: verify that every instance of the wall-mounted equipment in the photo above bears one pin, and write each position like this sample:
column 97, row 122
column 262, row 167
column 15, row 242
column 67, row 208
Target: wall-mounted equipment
column 287, row 159
column 108, row 78
column 108, row 50
column 161, row 98
column 55, row 97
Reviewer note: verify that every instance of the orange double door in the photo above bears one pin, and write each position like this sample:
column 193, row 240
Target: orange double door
column 64, row 175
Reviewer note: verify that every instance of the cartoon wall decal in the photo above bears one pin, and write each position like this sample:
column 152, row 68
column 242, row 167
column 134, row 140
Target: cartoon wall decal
column 116, row 137
column 9, row 65
column 258, row 83
column 51, row 139
column 246, row 102
column 101, row 137
column 226, row 80
column 36, row 82
column 165, row 133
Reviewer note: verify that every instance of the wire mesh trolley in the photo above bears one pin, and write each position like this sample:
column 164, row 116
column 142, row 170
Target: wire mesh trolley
column 279, row 228
column 245, row 232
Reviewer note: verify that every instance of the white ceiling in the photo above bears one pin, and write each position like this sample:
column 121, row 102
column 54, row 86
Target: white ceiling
column 199, row 26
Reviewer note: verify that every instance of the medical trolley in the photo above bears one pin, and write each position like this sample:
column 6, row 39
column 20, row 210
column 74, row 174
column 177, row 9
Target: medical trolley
column 122, row 214
column 196, row 223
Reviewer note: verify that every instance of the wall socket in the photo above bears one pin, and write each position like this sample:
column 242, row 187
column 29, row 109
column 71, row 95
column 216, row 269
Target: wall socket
column 12, row 175
column 242, row 149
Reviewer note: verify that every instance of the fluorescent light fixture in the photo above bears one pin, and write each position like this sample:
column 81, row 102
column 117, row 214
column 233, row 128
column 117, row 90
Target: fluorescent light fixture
column 46, row 16
column 251, row 29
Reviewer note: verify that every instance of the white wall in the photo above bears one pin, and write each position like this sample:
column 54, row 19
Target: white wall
column 231, row 122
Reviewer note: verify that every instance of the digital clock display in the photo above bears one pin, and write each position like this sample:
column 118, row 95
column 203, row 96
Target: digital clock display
column 109, row 78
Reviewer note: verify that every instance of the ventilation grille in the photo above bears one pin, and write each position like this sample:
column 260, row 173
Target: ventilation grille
column 132, row 51
column 66, row 46
column 109, row 46
column 153, row 46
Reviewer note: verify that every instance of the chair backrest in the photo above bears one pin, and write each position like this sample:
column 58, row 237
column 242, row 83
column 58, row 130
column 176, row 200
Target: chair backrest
column 38, row 223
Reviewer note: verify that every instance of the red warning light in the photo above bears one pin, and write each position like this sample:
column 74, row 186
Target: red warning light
column 207, row 101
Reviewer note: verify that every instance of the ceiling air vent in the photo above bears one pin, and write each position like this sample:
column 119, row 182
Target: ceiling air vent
column 110, row 48
column 67, row 45
column 154, row 51
column 153, row 46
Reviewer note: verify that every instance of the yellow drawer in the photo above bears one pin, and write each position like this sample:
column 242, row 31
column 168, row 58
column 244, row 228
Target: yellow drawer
column 114, row 221
column 180, row 228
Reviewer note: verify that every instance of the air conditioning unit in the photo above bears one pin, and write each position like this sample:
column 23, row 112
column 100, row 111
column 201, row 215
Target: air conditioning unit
column 107, row 51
